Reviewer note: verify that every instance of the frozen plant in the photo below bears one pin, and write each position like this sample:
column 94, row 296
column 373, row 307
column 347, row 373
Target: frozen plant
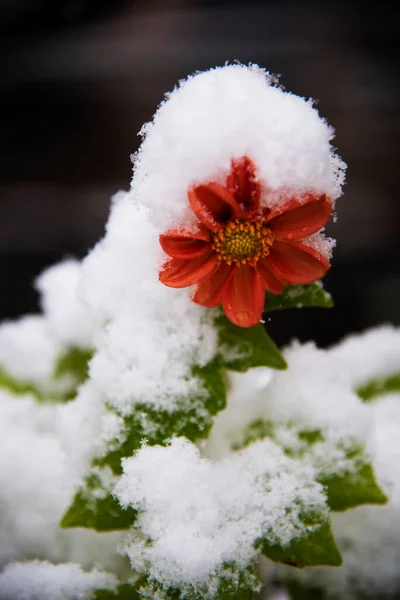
column 156, row 442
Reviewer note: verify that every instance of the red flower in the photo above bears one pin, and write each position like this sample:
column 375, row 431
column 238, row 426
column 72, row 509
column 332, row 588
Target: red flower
column 239, row 249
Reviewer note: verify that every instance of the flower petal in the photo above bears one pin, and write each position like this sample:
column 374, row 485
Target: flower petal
column 243, row 299
column 180, row 273
column 297, row 222
column 213, row 204
column 183, row 244
column 210, row 291
column 272, row 281
column 297, row 263
column 242, row 183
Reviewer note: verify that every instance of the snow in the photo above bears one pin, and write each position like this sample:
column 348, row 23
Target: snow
column 37, row 483
column 67, row 316
column 319, row 242
column 197, row 516
column 28, row 349
column 40, row 580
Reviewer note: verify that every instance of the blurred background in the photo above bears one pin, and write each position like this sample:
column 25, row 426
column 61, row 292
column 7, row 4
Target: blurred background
column 79, row 78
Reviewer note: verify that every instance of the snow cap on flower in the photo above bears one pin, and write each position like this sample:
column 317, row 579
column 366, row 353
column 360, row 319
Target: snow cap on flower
column 242, row 177
column 229, row 112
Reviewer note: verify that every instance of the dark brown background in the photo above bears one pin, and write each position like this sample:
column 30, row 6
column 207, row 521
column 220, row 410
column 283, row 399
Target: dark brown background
column 78, row 78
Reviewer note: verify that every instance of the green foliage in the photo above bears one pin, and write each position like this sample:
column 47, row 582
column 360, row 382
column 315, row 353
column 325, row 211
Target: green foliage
column 19, row 387
column 378, row 387
column 243, row 348
column 94, row 506
column 298, row 591
column 299, row 296
column 317, row 547
column 73, row 361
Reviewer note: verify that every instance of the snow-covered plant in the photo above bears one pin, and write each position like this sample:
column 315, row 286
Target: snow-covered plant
column 155, row 442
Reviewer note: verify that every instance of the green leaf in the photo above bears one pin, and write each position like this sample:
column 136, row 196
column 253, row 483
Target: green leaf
column 353, row 489
column 298, row 591
column 243, row 348
column 318, row 547
column 125, row 591
column 94, row 506
column 299, row 296
column 19, row 387
column 74, row 361
column 378, row 387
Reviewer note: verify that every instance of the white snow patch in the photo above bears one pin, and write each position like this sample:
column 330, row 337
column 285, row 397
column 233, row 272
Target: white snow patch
column 68, row 318
column 37, row 483
column 28, row 348
column 40, row 580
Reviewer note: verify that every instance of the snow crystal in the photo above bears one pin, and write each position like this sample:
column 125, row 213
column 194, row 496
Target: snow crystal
column 67, row 317
column 231, row 112
column 319, row 242
column 39, row 580
column 201, row 515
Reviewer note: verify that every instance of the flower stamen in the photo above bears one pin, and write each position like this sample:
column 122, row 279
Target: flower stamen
column 242, row 242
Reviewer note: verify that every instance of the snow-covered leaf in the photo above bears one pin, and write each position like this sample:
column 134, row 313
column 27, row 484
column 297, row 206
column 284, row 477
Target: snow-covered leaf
column 94, row 506
column 352, row 484
column 243, row 348
column 299, row 296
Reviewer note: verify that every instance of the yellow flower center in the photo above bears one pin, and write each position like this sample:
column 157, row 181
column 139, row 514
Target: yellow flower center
column 242, row 242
